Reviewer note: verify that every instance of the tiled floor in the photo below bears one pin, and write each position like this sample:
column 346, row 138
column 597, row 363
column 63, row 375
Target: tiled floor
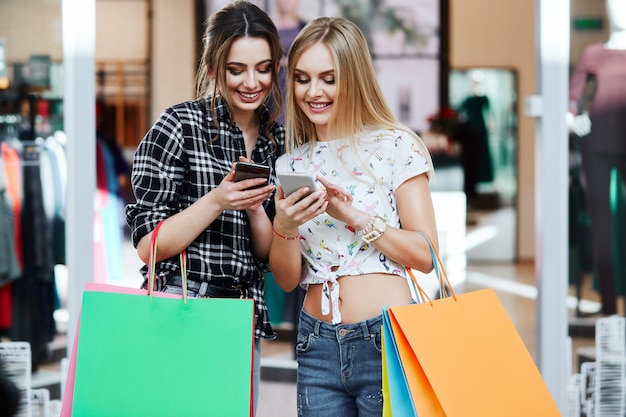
column 513, row 282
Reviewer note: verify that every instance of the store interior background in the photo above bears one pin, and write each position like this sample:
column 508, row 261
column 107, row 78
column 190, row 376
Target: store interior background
column 146, row 54
column 150, row 63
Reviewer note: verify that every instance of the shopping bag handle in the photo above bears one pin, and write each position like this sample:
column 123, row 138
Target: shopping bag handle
column 445, row 286
column 152, row 264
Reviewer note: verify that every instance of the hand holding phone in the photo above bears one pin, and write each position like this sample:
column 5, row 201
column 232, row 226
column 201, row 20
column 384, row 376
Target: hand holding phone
column 292, row 181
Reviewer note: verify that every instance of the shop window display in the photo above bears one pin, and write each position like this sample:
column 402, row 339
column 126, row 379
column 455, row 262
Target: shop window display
column 485, row 100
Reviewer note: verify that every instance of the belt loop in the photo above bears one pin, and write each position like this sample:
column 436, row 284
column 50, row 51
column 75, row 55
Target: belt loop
column 316, row 327
column 204, row 286
column 366, row 331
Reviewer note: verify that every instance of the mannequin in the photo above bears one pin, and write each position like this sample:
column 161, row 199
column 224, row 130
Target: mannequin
column 597, row 114
column 288, row 15
column 289, row 23
column 476, row 122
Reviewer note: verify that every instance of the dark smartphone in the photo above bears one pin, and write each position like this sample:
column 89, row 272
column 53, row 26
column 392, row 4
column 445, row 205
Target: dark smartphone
column 246, row 170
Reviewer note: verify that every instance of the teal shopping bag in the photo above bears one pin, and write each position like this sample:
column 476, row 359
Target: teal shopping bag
column 397, row 397
column 138, row 356
column 144, row 353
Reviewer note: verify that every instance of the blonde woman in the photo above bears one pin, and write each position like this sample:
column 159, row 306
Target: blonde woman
column 348, row 242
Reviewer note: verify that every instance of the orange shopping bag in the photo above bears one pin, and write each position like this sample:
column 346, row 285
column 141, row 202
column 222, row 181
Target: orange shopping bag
column 462, row 356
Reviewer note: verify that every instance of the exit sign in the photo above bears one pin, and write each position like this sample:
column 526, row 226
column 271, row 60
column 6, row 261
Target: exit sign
column 588, row 23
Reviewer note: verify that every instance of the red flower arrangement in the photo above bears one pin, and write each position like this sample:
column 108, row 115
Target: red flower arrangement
column 444, row 121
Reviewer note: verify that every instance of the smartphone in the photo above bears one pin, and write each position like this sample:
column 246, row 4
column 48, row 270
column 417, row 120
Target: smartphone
column 247, row 170
column 291, row 181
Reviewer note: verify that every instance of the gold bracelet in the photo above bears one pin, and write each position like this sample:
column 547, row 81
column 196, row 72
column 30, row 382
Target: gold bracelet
column 284, row 237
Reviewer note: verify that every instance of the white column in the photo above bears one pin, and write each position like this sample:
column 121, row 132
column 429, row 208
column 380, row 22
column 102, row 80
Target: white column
column 79, row 34
column 551, row 193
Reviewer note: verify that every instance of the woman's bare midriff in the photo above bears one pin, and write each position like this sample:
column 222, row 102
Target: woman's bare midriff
column 361, row 297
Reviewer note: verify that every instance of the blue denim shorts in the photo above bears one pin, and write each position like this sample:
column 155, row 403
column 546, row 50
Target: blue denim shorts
column 339, row 368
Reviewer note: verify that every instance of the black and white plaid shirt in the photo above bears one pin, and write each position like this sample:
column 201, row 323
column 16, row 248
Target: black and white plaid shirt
column 183, row 156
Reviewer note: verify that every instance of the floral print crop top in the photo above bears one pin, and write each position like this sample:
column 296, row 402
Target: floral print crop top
column 371, row 171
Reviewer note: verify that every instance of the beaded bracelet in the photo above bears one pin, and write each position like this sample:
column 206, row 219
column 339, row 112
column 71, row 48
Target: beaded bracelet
column 284, row 237
column 368, row 227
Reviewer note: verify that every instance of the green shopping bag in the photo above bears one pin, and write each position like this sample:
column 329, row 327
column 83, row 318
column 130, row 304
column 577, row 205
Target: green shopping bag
column 155, row 354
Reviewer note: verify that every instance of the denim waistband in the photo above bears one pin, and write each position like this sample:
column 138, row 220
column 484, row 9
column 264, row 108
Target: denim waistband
column 209, row 289
column 364, row 329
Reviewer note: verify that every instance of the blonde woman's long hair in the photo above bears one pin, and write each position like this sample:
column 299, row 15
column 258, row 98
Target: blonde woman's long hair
column 359, row 104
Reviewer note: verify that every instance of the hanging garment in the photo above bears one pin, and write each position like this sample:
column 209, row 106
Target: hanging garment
column 13, row 181
column 34, row 293
column 9, row 267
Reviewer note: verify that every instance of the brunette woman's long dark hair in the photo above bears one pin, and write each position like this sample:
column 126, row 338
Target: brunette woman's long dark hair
column 234, row 21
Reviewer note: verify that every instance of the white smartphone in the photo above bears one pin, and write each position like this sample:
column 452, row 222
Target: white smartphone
column 291, row 181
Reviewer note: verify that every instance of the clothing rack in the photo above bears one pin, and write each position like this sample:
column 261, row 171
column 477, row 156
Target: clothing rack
column 28, row 293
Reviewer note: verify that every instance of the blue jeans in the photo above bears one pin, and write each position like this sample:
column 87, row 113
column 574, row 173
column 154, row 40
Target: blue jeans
column 172, row 289
column 339, row 368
